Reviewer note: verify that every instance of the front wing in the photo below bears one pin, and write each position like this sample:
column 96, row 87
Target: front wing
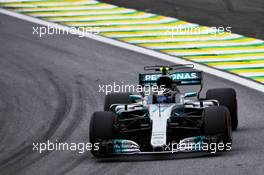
column 117, row 147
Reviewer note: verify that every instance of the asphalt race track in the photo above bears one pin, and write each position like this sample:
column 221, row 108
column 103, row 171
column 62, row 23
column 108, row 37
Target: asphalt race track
column 49, row 88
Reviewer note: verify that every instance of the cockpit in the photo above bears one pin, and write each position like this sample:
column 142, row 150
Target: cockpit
column 166, row 93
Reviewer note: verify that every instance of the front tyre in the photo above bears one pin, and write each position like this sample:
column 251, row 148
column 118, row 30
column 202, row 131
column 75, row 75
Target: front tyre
column 101, row 128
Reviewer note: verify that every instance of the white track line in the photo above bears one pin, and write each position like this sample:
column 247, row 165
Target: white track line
column 162, row 56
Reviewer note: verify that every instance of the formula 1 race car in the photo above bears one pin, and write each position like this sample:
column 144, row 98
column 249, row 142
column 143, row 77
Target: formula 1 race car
column 166, row 120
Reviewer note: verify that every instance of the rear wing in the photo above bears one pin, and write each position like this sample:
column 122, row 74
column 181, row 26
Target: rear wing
column 180, row 78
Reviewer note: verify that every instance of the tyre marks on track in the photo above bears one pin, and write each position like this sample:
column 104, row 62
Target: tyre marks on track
column 69, row 112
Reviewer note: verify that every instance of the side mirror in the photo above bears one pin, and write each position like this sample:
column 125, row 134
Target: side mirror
column 191, row 94
column 135, row 97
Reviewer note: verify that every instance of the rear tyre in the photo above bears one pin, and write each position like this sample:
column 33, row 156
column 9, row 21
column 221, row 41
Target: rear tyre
column 116, row 98
column 101, row 128
column 217, row 121
column 226, row 97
